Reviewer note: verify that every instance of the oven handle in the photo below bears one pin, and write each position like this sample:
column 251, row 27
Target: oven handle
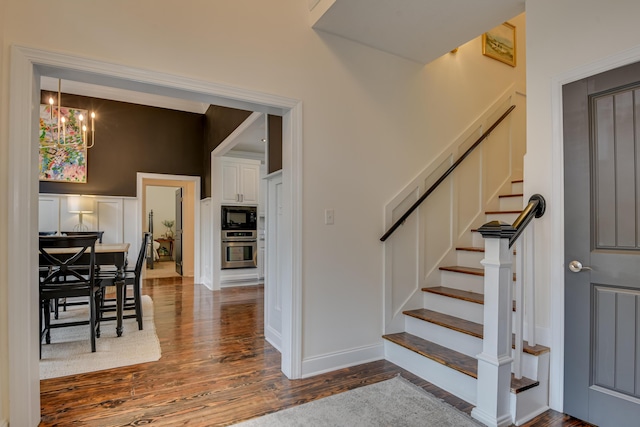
column 239, row 240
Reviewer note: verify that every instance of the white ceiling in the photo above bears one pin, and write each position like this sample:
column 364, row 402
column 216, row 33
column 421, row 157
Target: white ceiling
column 253, row 137
column 419, row 30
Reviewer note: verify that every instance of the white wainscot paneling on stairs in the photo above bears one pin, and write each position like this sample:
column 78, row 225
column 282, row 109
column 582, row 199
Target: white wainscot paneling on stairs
column 441, row 339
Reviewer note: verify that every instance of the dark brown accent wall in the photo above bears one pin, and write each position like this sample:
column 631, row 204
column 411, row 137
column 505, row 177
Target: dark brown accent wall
column 275, row 143
column 133, row 138
column 219, row 123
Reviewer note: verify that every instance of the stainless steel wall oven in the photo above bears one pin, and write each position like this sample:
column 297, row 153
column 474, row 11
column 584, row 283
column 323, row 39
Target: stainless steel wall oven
column 239, row 249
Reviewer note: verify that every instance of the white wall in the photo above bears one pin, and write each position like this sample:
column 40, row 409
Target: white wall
column 567, row 40
column 371, row 122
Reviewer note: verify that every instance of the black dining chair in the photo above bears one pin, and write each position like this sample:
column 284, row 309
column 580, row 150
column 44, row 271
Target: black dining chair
column 67, row 270
column 63, row 301
column 129, row 277
column 79, row 233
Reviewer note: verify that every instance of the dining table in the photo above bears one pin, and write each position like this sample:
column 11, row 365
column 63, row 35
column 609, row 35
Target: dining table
column 106, row 254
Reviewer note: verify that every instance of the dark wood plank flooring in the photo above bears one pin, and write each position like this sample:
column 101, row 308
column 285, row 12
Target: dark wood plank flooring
column 216, row 369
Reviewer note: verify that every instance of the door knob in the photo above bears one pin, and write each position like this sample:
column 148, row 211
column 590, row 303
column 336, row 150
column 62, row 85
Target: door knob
column 576, row 266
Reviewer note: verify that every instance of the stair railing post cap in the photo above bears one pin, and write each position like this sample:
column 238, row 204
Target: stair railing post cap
column 497, row 230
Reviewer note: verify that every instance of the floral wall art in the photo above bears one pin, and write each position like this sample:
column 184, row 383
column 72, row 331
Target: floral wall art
column 63, row 154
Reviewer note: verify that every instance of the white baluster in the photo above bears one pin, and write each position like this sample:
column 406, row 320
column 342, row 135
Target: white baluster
column 519, row 299
column 530, row 297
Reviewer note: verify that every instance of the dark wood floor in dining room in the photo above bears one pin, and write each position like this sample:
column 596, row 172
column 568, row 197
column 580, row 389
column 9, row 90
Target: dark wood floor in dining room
column 216, row 369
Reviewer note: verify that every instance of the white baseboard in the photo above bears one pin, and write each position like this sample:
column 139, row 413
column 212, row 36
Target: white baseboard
column 207, row 282
column 251, row 282
column 273, row 337
column 333, row 361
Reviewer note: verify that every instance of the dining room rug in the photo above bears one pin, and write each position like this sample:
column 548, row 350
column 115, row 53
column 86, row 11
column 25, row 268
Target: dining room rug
column 70, row 350
column 395, row 402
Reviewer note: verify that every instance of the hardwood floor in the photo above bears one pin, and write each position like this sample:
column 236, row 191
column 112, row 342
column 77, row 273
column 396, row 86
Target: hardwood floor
column 216, row 369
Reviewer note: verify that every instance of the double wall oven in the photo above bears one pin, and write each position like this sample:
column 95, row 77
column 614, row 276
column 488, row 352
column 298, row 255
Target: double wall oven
column 239, row 237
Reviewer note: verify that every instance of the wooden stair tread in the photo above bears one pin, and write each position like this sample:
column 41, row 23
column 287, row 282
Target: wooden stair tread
column 450, row 358
column 467, row 270
column 456, row 293
column 447, row 321
column 466, row 327
column 470, row 248
column 511, row 195
column 445, row 356
column 474, row 249
column 459, row 294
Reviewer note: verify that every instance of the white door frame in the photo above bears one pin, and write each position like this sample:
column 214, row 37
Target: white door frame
column 556, row 235
column 26, row 67
column 195, row 181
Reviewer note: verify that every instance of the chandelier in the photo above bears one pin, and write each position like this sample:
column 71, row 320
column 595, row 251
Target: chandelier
column 64, row 126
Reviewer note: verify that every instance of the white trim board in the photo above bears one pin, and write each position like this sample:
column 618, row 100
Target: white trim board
column 27, row 65
column 342, row 359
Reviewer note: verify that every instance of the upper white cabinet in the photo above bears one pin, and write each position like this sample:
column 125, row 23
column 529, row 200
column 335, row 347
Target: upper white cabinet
column 240, row 181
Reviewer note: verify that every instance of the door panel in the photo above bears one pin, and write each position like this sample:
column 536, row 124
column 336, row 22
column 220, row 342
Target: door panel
column 602, row 217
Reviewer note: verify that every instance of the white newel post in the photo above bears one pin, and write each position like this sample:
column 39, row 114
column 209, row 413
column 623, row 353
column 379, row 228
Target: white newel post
column 494, row 363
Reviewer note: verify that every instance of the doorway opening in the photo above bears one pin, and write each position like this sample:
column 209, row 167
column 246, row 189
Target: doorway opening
column 157, row 192
column 27, row 66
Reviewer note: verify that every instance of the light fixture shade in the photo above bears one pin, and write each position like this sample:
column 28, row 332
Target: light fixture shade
column 80, row 204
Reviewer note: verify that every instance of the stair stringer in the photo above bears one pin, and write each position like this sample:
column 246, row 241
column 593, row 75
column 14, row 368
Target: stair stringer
column 533, row 402
column 403, row 283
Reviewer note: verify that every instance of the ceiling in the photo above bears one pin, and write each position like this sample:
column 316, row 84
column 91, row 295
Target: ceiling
column 419, row 30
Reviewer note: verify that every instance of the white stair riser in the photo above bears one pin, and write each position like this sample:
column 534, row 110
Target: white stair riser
column 517, row 188
column 462, row 281
column 454, row 307
column 473, row 259
column 502, row 217
column 477, row 239
column 469, row 258
column 461, row 342
column 448, row 379
column 511, row 203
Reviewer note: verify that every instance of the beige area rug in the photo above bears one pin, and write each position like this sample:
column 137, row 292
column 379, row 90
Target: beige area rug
column 70, row 350
column 395, row 402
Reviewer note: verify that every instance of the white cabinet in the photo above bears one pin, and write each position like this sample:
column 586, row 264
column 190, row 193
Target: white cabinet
column 240, row 181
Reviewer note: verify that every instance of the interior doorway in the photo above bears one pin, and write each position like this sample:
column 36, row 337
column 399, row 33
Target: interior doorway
column 160, row 208
column 153, row 186
column 27, row 66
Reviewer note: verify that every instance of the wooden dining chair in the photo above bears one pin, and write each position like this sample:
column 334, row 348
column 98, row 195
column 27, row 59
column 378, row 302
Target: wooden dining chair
column 129, row 278
column 68, row 270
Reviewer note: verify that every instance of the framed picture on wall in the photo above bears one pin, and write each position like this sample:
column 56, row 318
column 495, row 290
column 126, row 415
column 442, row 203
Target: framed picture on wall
column 500, row 44
column 63, row 153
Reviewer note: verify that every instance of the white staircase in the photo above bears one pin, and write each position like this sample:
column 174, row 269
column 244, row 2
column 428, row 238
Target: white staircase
column 441, row 340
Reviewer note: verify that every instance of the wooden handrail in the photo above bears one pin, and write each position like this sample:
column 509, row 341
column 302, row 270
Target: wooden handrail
column 445, row 175
column 534, row 209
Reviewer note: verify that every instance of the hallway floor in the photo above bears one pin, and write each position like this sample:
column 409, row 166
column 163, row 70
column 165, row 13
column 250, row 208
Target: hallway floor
column 216, row 369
